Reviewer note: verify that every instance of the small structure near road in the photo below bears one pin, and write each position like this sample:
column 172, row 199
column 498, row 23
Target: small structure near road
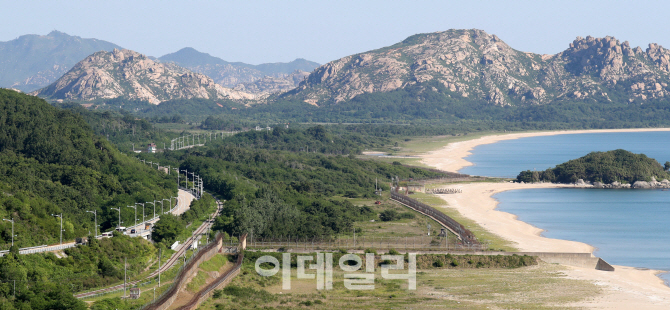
column 135, row 293
column 416, row 188
column 151, row 148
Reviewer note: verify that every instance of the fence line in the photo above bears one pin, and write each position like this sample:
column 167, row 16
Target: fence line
column 189, row 141
column 463, row 233
column 166, row 299
column 416, row 243
column 209, row 289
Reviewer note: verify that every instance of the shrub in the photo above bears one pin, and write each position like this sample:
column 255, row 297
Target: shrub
column 393, row 252
column 454, row 263
column 371, row 251
column 388, row 215
column 438, row 264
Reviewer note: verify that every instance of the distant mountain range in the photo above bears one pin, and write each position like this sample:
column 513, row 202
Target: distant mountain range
column 476, row 65
column 131, row 75
column 263, row 78
column 33, row 61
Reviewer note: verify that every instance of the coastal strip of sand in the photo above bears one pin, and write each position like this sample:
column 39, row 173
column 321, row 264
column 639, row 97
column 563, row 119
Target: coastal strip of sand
column 625, row 288
column 452, row 157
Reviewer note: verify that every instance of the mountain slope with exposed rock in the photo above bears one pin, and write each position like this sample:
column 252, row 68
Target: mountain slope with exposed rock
column 128, row 74
column 478, row 65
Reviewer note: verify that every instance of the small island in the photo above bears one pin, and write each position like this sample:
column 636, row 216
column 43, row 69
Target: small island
column 611, row 169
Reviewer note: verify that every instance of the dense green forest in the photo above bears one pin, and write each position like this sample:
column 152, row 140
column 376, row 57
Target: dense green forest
column 312, row 139
column 607, row 167
column 51, row 163
column 44, row 281
column 123, row 129
column 285, row 190
column 439, row 109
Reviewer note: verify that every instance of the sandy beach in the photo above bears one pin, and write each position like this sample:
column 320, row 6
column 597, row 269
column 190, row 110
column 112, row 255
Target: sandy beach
column 452, row 157
column 625, row 288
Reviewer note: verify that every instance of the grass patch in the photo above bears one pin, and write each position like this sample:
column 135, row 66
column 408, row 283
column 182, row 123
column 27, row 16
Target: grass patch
column 215, row 263
column 536, row 287
column 197, row 282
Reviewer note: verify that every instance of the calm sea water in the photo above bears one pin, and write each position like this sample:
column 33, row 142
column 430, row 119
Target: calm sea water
column 508, row 158
column 628, row 227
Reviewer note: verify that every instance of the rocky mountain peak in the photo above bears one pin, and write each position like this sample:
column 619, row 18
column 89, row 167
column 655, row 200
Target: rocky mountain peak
column 126, row 73
column 471, row 63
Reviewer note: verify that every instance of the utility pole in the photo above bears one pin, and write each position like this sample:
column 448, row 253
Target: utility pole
column 124, row 277
column 153, row 203
column 61, row 226
column 138, row 203
column 160, row 255
column 12, row 220
column 177, row 176
column 193, row 183
column 95, row 215
column 118, row 209
column 186, row 172
column 175, row 202
column 134, row 207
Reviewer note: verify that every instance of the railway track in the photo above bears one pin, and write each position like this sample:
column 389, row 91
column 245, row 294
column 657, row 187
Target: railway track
column 169, row 264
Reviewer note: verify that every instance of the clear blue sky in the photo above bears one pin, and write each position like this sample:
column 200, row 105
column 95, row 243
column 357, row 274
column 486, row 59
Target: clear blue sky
column 272, row 31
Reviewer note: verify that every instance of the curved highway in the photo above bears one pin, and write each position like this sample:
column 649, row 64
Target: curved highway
column 174, row 259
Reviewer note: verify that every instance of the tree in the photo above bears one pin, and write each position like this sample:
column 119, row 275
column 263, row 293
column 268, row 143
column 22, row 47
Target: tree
column 167, row 229
column 388, row 215
column 666, row 166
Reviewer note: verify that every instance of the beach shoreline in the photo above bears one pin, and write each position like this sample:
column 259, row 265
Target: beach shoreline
column 624, row 288
column 452, row 156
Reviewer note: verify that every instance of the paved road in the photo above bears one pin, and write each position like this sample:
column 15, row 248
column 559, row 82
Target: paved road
column 176, row 258
column 184, row 199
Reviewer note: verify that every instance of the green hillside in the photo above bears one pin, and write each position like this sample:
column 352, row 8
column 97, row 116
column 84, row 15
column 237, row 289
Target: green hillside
column 607, row 167
column 273, row 186
column 51, row 162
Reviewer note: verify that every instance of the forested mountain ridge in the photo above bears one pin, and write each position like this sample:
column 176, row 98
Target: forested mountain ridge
column 131, row 75
column 33, row 61
column 258, row 79
column 476, row 65
column 52, row 163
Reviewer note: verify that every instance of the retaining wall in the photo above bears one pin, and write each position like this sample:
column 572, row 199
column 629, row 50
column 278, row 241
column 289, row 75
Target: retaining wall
column 168, row 297
column 220, row 282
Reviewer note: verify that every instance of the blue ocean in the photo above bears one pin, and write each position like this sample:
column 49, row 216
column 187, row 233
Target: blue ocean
column 628, row 227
